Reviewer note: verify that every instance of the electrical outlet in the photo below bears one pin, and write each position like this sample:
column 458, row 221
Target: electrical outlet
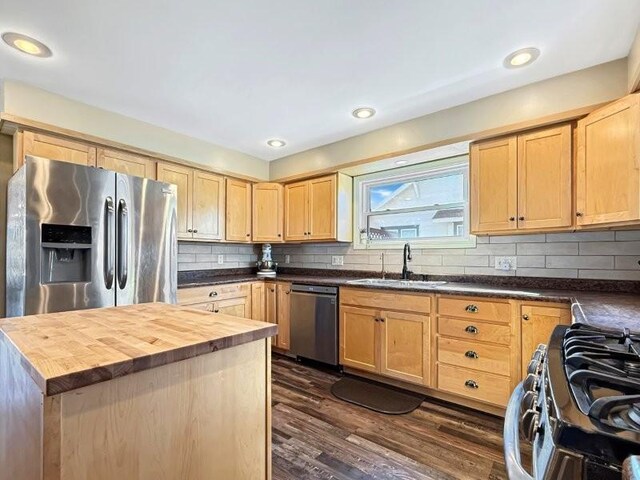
column 220, row 259
column 287, row 259
column 506, row 263
column 337, row 260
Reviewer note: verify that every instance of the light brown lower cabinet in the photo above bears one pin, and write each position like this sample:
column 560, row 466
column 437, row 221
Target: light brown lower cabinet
column 474, row 352
column 230, row 299
column 538, row 321
column 278, row 311
column 389, row 343
column 258, row 301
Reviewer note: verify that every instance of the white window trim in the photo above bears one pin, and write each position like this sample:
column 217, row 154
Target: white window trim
column 360, row 182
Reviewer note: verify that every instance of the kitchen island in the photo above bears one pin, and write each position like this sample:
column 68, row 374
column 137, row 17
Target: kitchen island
column 150, row 391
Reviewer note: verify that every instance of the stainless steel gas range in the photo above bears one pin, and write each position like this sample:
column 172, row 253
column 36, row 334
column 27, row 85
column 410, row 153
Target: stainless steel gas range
column 579, row 406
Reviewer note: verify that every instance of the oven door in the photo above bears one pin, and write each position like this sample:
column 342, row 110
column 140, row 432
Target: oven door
column 513, row 462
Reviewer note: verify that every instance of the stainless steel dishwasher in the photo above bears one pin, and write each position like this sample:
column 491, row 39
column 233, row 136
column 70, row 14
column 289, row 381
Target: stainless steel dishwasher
column 314, row 323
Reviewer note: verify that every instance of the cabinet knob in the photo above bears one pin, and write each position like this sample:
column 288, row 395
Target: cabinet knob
column 471, row 329
column 195, row 230
column 216, row 311
column 213, row 294
column 512, row 219
column 382, row 319
column 471, row 308
column 471, row 384
column 279, row 235
column 520, row 218
column 190, row 230
column 525, row 317
column 248, row 234
column 578, row 214
column 471, row 354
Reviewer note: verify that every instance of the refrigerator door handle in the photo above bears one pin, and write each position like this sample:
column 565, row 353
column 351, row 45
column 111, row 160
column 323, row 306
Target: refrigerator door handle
column 109, row 241
column 123, row 243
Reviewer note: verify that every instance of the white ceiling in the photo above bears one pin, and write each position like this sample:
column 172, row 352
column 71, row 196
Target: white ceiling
column 237, row 73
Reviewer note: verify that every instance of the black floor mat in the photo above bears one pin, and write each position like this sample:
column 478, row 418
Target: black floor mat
column 375, row 396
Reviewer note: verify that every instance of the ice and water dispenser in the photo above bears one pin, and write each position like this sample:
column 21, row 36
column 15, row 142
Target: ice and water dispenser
column 66, row 253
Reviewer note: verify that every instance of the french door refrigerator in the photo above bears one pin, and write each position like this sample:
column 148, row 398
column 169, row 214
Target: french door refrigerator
column 81, row 237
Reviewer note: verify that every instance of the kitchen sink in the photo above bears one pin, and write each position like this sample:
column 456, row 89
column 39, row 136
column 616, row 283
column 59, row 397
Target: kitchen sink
column 381, row 282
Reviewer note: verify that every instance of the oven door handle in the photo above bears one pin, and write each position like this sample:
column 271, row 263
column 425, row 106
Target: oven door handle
column 515, row 470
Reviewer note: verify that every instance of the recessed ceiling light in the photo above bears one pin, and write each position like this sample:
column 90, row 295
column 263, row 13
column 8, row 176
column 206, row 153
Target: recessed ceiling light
column 275, row 143
column 363, row 112
column 522, row 57
column 25, row 44
column 401, row 162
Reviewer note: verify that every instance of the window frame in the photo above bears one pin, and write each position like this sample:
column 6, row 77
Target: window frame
column 435, row 168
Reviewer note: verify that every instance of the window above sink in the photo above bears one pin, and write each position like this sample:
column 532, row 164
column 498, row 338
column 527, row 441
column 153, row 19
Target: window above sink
column 425, row 204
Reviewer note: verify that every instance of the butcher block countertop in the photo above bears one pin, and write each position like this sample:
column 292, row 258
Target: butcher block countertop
column 69, row 350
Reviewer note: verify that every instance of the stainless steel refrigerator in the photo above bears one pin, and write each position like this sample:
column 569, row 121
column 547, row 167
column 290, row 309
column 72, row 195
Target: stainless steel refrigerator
column 82, row 237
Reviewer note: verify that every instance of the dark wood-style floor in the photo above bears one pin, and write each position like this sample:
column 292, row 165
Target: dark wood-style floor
column 317, row 436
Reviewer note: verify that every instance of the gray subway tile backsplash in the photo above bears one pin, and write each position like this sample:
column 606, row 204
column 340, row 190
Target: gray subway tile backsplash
column 596, row 255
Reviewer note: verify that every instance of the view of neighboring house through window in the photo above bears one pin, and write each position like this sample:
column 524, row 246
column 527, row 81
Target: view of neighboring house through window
column 425, row 204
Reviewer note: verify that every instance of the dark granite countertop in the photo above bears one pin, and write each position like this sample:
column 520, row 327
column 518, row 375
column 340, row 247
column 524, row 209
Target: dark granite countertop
column 607, row 304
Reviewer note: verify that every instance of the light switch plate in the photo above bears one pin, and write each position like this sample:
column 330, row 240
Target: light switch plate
column 506, row 263
column 287, row 259
column 220, row 259
column 337, row 260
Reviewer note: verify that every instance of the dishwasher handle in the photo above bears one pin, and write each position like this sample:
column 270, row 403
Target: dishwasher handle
column 307, row 294
column 314, row 289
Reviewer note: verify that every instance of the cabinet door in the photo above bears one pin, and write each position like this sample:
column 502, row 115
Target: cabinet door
column 238, row 307
column 127, row 163
column 608, row 162
column 258, row 301
column 182, row 177
column 493, row 196
column 238, row 213
column 296, row 208
column 359, row 339
column 284, row 315
column 322, row 208
column 272, row 307
column 268, row 212
column 544, row 179
column 54, row 148
column 537, row 324
column 208, row 206
column 404, row 343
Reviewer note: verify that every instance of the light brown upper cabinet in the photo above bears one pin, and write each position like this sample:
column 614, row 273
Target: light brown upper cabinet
column 319, row 209
column 53, row 148
column 127, row 163
column 238, row 213
column 608, row 164
column 268, row 212
column 522, row 183
column 544, row 179
column 493, row 192
column 200, row 201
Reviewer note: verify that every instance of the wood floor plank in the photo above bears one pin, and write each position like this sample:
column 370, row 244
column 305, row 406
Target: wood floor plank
column 317, row 436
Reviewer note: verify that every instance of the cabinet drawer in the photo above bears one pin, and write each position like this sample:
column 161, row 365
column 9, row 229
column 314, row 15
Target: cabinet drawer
column 475, row 330
column 469, row 307
column 476, row 355
column 188, row 296
column 481, row 386
column 385, row 300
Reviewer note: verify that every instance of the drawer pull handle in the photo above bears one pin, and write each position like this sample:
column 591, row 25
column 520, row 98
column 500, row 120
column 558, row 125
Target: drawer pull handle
column 470, row 354
column 213, row 294
column 471, row 384
column 471, row 308
column 472, row 329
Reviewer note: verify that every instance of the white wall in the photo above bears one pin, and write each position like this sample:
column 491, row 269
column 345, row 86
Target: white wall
column 634, row 64
column 556, row 95
column 36, row 104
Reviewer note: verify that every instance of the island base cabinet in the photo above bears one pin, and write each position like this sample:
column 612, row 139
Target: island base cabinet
column 204, row 418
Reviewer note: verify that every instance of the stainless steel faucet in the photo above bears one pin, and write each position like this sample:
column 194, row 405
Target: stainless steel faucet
column 406, row 256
